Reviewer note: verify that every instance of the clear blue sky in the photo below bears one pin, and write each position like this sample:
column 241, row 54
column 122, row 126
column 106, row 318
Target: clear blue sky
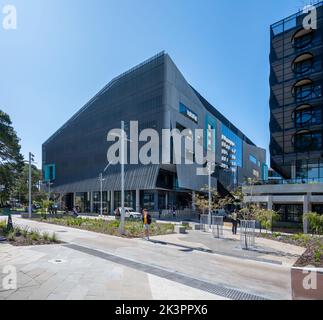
column 65, row 51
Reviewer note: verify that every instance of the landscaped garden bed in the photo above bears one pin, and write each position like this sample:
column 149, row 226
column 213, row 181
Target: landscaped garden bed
column 313, row 255
column 133, row 229
column 24, row 236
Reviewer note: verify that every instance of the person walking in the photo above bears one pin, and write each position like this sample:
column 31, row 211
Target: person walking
column 235, row 223
column 146, row 219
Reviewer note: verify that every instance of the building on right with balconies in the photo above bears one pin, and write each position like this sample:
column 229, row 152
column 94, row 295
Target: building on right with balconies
column 296, row 118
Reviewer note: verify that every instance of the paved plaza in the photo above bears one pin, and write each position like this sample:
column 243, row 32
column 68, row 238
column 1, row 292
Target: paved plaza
column 191, row 267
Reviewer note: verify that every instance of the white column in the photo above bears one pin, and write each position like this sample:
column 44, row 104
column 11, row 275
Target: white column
column 194, row 200
column 91, row 201
column 306, row 204
column 166, row 200
column 293, row 171
column 270, row 203
column 112, row 202
column 138, row 200
column 306, row 210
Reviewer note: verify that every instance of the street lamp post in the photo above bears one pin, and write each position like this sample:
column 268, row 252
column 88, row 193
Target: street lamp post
column 123, row 139
column 122, row 153
column 31, row 159
column 210, row 193
column 101, row 194
column 49, row 191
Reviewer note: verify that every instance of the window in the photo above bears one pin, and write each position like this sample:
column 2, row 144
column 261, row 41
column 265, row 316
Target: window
column 233, row 146
column 305, row 89
column 148, row 200
column 307, row 140
column 253, row 159
column 303, row 63
column 307, row 115
column 302, row 38
column 289, row 212
column 302, row 89
column 303, row 115
column 318, row 208
column 309, row 171
column 256, row 174
column 130, row 199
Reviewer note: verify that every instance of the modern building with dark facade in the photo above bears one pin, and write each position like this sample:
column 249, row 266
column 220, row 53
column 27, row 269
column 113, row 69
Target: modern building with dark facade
column 155, row 94
column 296, row 100
column 296, row 119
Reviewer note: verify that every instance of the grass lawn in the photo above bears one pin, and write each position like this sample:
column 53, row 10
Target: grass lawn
column 19, row 236
column 133, row 229
column 313, row 255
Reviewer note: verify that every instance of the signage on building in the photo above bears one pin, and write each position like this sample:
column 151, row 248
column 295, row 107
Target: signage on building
column 188, row 113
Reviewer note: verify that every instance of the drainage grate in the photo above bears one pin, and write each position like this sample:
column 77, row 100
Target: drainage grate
column 219, row 290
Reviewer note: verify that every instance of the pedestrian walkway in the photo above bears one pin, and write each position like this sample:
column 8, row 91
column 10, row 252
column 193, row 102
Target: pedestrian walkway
column 257, row 279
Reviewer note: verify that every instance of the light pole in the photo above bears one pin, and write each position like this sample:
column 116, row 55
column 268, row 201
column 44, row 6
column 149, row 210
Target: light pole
column 123, row 139
column 210, row 193
column 31, row 159
column 122, row 153
column 49, row 184
column 211, row 171
column 101, row 194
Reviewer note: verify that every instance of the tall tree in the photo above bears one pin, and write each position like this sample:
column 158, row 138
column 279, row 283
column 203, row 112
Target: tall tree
column 21, row 187
column 11, row 160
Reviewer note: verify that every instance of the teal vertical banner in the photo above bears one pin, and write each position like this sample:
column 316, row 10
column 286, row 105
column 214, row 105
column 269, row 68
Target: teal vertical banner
column 265, row 170
column 49, row 172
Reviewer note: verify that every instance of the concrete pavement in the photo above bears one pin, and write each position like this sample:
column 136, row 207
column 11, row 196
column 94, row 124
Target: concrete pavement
column 176, row 258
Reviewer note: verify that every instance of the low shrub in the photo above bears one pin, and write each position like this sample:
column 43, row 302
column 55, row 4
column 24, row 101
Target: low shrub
column 318, row 255
column 11, row 236
column 46, row 236
column 35, row 235
column 3, row 225
column 53, row 238
column 315, row 222
column 302, row 239
column 25, row 232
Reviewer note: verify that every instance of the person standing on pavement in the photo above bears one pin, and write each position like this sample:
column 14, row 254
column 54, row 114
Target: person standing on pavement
column 146, row 219
column 235, row 223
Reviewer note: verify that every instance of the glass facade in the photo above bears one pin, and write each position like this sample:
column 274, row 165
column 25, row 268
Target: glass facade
column 83, row 202
column 265, row 172
column 130, row 199
column 292, row 213
column 318, row 208
column 309, row 171
column 148, row 200
column 306, row 140
column 296, row 94
column 226, row 132
column 307, row 115
column 253, row 159
column 97, row 202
